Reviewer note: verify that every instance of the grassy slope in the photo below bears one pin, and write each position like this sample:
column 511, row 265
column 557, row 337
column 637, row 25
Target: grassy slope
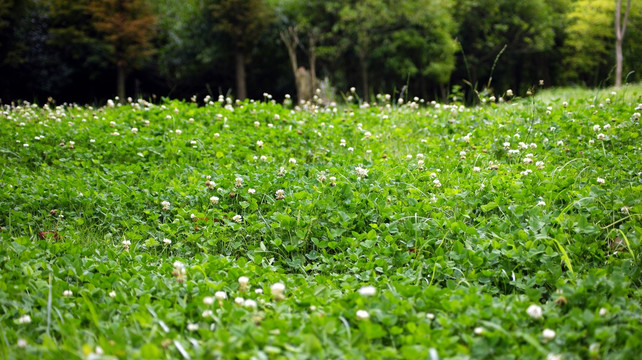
column 475, row 252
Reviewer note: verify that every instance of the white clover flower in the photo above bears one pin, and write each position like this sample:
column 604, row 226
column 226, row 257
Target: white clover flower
column 178, row 265
column 259, row 143
column 92, row 140
column 596, row 128
column 533, row 146
column 207, row 313
column 277, row 290
column 436, row 183
column 362, row 315
column 541, row 203
column 409, row 156
column 178, row 131
column 280, row 194
column 249, row 303
column 540, row 165
column 282, row 171
column 565, row 104
column 606, row 127
column 603, row 311
column 263, row 158
column 167, row 241
column 239, row 182
column 534, row 311
column 239, row 300
column 361, row 172
column 342, row 142
column 216, row 135
column 208, row 300
column 321, row 177
column 333, row 181
column 368, row 291
column 257, row 124
column 243, row 281
column 476, row 169
column 560, row 143
column 192, row 216
column 430, row 316
column 24, row 319
column 165, row 205
column 506, row 145
column 220, row 295
column 479, row 330
column 112, row 294
column 134, row 131
column 67, row 293
column 552, row 356
column 214, row 200
column 509, row 93
column 353, row 90
column 237, row 218
column 601, row 181
column 600, row 136
column 420, row 156
column 528, row 160
column 192, row 327
column 259, row 291
column 112, row 123
column 548, row 334
column 292, row 161
column 625, row 210
column 270, row 126
column 251, row 191
column 350, row 149
column 22, row 343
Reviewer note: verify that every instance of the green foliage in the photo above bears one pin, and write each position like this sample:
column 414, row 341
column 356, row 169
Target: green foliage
column 477, row 228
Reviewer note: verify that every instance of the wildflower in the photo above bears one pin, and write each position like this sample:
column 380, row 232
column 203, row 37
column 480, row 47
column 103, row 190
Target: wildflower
column 239, row 182
column 528, row 160
column 552, row 356
column 342, row 142
column 239, row 300
column 367, row 291
column 362, row 315
column 420, row 156
column 603, row 311
column 259, row 143
column 257, row 124
column 409, row 157
column 565, row 104
column 178, row 131
column 277, row 290
column 112, row 294
column 430, row 316
column 600, row 136
column 210, row 184
column 333, row 181
column 165, row 205
column 606, row 127
column 192, row 216
column 560, row 143
column 361, row 172
column 263, row 158
column 596, row 128
column 509, row 93
column 601, row 181
column 207, row 313
column 214, row 200
column 321, row 177
column 22, row 343
column 534, row 311
column 548, row 334
column 179, row 271
column 251, row 191
column 625, row 210
column 126, row 244
column 208, row 300
column 351, row 149
column 24, row 319
column 282, row 171
column 238, row 218
column 506, row 145
column 249, row 303
column 67, row 293
column 540, row 165
column 292, row 161
column 462, row 155
column 479, row 330
column 220, row 296
column 134, row 131
column 420, row 164
column 243, row 281
column 476, row 169
column 280, row 194
column 192, row 327
column 259, row 291
column 436, row 183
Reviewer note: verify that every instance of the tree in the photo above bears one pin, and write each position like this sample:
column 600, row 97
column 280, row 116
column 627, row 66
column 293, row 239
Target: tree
column 620, row 30
column 128, row 28
column 243, row 22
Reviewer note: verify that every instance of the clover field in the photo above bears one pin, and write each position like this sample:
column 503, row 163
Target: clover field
column 253, row 230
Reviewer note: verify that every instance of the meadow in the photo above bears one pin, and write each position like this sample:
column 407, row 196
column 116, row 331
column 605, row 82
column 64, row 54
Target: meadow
column 260, row 230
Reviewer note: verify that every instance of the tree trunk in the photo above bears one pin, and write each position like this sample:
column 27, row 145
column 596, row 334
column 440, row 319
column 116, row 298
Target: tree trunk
column 364, row 75
column 291, row 40
column 241, row 91
column 120, row 78
column 313, row 60
column 620, row 29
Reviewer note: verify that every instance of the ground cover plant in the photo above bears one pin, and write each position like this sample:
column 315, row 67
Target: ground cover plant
column 399, row 229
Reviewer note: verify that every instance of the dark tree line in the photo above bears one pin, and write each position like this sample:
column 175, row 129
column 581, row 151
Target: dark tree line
column 90, row 50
